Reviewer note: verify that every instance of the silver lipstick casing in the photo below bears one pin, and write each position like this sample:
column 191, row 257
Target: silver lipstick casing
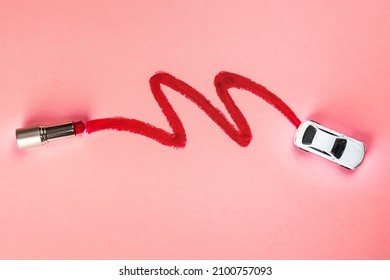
column 38, row 135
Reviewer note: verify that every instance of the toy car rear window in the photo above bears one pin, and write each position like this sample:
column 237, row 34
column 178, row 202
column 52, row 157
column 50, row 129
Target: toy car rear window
column 308, row 136
column 339, row 147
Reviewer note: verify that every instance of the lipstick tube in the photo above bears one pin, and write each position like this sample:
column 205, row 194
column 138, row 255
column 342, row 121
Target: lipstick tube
column 39, row 135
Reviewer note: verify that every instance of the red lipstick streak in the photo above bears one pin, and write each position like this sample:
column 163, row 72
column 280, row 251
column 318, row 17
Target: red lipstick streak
column 223, row 82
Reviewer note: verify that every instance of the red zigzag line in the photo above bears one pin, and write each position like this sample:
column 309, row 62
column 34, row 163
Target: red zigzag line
column 223, row 82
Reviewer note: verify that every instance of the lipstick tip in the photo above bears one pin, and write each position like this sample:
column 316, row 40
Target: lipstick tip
column 79, row 127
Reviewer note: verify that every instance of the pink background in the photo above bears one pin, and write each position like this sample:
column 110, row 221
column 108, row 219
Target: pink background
column 115, row 195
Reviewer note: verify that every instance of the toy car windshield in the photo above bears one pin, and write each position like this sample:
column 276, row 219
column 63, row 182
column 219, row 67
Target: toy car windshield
column 339, row 147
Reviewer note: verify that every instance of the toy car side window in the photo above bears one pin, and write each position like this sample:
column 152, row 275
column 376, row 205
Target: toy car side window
column 339, row 147
column 327, row 131
column 318, row 150
column 308, row 136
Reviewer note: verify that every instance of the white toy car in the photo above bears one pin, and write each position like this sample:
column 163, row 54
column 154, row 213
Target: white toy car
column 317, row 139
